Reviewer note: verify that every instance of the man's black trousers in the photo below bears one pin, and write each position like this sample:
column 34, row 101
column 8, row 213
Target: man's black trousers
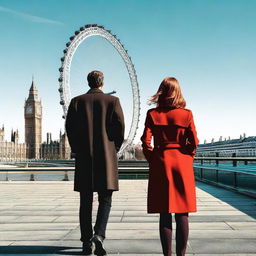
column 85, row 214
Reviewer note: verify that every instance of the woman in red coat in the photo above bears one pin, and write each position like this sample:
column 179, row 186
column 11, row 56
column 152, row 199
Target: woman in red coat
column 171, row 186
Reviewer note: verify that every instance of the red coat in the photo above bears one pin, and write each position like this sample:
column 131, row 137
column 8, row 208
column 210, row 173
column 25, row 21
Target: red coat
column 171, row 186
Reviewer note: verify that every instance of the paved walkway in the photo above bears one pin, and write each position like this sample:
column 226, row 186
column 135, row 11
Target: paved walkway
column 42, row 218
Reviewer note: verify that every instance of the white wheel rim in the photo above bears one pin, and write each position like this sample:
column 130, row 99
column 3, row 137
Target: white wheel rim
column 64, row 79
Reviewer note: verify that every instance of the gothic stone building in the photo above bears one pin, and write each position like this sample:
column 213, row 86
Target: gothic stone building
column 11, row 149
column 57, row 149
column 33, row 148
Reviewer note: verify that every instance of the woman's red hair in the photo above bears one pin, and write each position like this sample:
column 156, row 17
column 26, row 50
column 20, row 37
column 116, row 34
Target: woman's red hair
column 169, row 94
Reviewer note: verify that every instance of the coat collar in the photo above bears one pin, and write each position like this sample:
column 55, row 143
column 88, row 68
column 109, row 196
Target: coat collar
column 95, row 90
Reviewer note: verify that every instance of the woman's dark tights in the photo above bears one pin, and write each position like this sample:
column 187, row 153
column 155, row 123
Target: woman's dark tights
column 165, row 229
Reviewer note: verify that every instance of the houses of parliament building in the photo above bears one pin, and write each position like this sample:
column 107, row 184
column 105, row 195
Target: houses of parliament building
column 33, row 148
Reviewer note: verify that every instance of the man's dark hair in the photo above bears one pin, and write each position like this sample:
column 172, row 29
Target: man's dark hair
column 95, row 79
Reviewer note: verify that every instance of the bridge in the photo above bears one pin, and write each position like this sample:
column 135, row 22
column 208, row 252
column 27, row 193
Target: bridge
column 41, row 216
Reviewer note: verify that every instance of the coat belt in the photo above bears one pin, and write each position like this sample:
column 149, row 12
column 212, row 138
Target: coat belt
column 168, row 145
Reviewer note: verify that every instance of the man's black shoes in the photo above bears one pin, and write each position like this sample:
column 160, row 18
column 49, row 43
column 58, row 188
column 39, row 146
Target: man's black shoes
column 87, row 248
column 99, row 247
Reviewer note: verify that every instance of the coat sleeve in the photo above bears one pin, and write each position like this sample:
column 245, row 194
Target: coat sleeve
column 71, row 126
column 147, row 137
column 192, row 140
column 118, row 125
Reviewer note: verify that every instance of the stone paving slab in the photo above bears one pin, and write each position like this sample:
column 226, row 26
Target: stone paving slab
column 153, row 234
column 192, row 226
column 224, row 246
column 125, row 226
column 41, row 218
column 242, row 225
column 4, row 219
column 212, row 218
column 36, row 235
column 36, row 219
column 38, row 226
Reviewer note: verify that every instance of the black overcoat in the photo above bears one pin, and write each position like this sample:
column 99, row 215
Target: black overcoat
column 95, row 130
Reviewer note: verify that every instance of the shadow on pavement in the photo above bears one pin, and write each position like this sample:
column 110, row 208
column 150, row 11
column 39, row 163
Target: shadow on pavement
column 241, row 202
column 39, row 250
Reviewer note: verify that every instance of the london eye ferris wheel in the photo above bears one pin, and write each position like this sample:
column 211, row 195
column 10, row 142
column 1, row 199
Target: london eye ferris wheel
column 64, row 79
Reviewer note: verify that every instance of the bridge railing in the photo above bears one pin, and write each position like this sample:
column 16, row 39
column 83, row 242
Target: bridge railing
column 241, row 181
column 216, row 173
column 244, row 182
column 65, row 173
column 217, row 160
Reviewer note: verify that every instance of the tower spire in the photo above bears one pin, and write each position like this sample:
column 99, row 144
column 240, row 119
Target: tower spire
column 33, row 86
column 33, row 92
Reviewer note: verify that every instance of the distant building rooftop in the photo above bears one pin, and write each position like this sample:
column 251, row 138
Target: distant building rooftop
column 242, row 144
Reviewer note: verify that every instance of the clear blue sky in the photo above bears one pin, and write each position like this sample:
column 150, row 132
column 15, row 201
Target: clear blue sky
column 209, row 46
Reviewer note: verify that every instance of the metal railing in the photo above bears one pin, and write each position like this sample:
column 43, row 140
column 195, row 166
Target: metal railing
column 234, row 160
column 215, row 173
column 244, row 182
column 64, row 173
column 226, row 172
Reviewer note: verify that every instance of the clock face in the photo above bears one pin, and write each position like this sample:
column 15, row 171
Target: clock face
column 29, row 109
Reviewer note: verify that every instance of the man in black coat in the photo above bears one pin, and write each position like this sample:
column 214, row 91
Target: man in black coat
column 95, row 129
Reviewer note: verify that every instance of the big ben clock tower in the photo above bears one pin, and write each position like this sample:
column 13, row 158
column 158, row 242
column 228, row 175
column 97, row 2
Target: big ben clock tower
column 33, row 123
